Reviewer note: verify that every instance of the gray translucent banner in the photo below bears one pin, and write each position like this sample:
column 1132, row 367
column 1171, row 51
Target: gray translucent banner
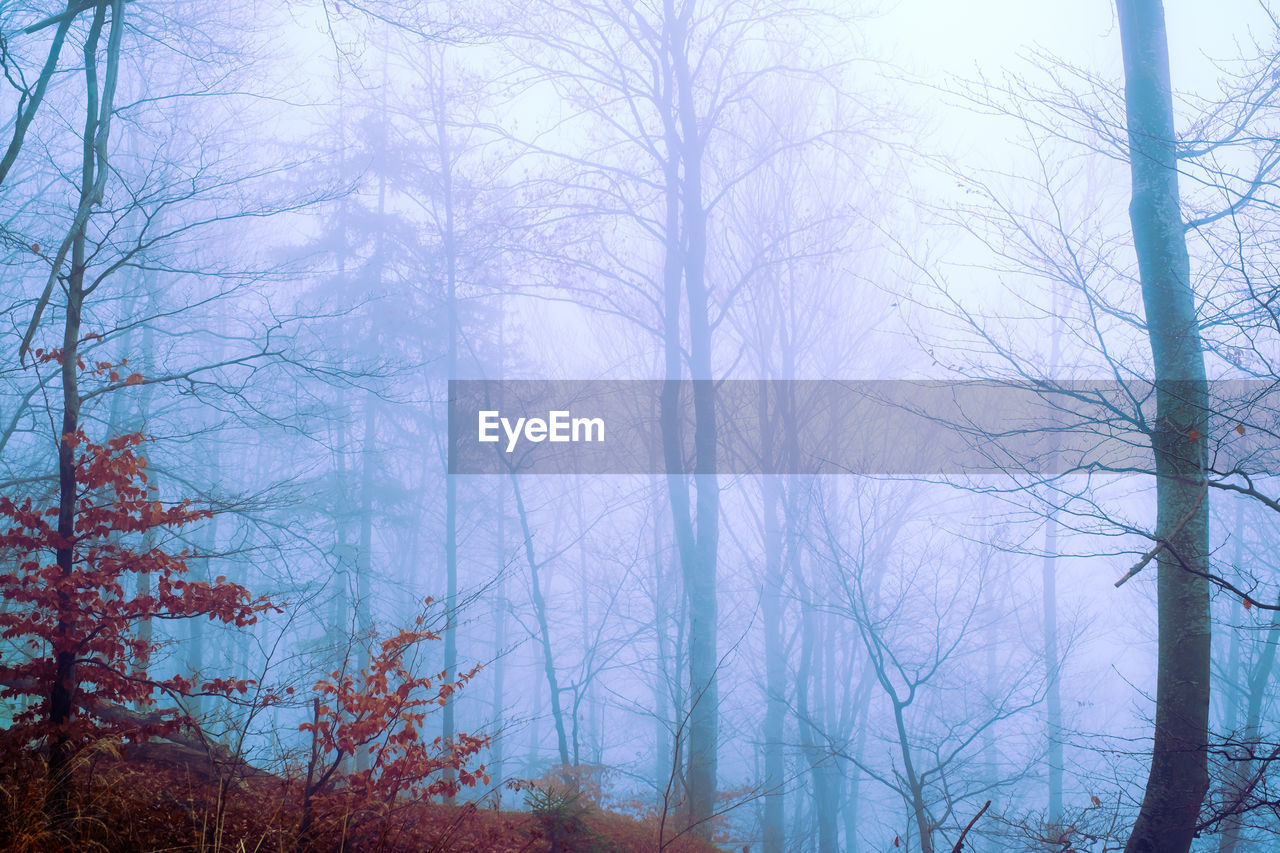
column 903, row 428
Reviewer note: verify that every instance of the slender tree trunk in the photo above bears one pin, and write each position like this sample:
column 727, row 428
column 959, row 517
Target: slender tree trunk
column 364, row 564
column 444, row 150
column 815, row 652
column 1179, row 775
column 497, row 750
column 197, row 627
column 775, row 671
column 1229, row 691
column 62, row 695
column 93, row 175
column 915, row 790
column 697, row 527
column 142, row 582
column 990, row 750
column 544, row 627
column 664, row 758
column 533, row 761
column 1049, row 603
column 1053, row 690
column 861, row 704
column 826, row 776
column 1245, row 770
column 369, row 436
column 1230, row 694
column 582, row 690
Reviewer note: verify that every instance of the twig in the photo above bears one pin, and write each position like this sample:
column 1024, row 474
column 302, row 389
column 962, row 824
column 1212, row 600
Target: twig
column 960, row 842
column 1163, row 541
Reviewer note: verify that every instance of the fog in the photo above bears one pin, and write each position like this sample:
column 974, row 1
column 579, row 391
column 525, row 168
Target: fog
column 703, row 424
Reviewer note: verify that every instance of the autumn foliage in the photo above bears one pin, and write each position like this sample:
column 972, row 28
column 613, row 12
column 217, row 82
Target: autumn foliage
column 92, row 599
column 134, row 805
column 121, row 578
column 376, row 717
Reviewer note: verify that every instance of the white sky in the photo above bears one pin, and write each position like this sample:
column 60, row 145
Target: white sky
column 943, row 41
column 955, row 37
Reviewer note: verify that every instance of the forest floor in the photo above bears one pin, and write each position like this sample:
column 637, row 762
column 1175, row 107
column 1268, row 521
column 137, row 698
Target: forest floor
column 133, row 804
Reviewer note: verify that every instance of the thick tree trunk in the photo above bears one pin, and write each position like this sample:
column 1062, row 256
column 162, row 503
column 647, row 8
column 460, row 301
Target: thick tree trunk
column 828, row 790
column 1179, row 774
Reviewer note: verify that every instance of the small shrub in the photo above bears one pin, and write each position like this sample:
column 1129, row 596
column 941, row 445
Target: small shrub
column 562, row 817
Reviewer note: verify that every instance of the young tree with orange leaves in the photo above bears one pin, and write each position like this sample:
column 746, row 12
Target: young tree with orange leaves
column 381, row 712
column 73, row 613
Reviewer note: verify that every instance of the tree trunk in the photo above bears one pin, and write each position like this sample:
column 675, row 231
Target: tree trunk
column 1052, row 665
column 364, row 559
column 93, row 175
column 1179, row 775
column 497, row 749
column 696, row 527
column 1244, row 770
column 915, row 788
column 62, row 694
column 444, row 151
column 775, row 669
column 862, row 708
column 544, row 628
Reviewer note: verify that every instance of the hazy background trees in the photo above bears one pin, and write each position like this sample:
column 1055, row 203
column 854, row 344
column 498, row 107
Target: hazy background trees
column 298, row 224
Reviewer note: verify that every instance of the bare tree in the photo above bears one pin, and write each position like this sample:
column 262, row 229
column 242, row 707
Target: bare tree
column 919, row 630
column 31, row 92
column 1179, row 770
column 660, row 86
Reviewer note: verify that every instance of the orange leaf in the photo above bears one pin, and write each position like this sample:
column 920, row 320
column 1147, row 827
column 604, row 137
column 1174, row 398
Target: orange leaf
column 1240, row 428
column 1247, row 603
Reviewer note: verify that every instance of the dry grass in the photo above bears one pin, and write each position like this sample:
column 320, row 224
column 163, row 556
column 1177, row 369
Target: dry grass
column 133, row 804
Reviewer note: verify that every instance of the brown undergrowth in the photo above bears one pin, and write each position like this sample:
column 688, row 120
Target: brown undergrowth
column 140, row 800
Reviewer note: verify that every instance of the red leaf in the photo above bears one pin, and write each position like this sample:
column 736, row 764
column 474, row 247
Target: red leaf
column 102, row 621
